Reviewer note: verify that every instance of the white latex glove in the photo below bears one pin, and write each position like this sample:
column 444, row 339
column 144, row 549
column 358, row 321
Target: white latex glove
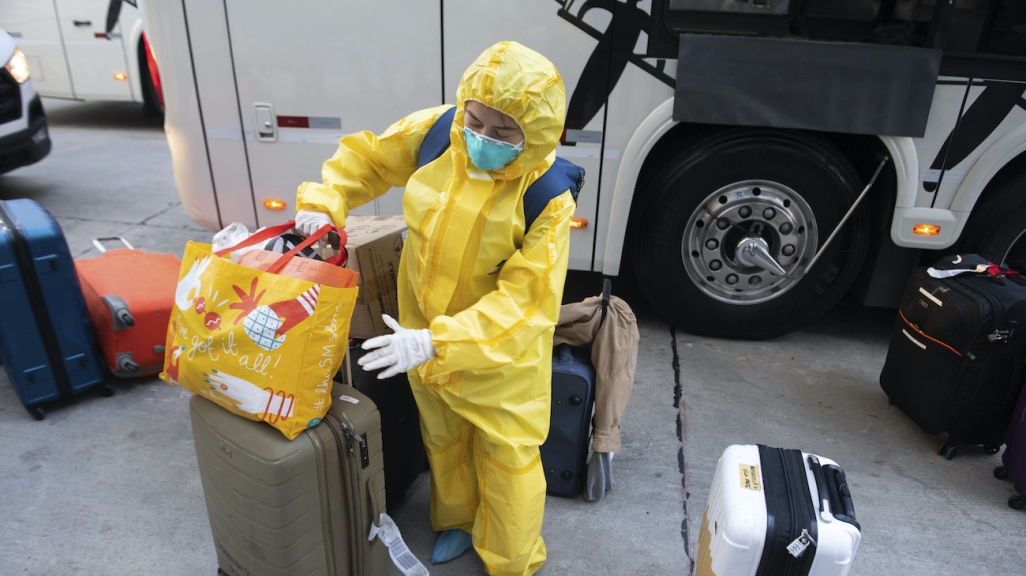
column 310, row 221
column 399, row 352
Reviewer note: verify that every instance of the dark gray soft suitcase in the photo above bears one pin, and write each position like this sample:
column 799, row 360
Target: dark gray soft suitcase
column 957, row 352
column 565, row 452
column 279, row 507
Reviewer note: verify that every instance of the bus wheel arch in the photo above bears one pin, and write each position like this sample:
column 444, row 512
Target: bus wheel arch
column 694, row 273
column 153, row 99
column 996, row 228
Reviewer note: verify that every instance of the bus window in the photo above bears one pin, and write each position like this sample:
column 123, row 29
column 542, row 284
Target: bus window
column 1006, row 32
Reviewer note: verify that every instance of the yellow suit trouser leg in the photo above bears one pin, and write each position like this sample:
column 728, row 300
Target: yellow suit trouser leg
column 494, row 491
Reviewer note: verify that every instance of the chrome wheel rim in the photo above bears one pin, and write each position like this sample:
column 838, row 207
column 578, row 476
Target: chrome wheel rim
column 771, row 211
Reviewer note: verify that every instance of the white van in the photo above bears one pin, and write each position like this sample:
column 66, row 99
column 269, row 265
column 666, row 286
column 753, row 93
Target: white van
column 24, row 138
column 85, row 49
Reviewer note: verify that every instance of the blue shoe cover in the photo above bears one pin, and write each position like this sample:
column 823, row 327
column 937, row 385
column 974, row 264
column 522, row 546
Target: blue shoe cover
column 449, row 546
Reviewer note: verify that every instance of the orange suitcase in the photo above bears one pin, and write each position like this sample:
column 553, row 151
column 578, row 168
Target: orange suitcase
column 129, row 294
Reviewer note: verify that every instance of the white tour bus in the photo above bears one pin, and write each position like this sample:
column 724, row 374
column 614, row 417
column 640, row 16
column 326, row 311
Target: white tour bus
column 727, row 144
column 85, row 49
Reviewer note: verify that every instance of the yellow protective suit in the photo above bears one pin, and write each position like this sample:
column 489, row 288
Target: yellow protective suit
column 489, row 291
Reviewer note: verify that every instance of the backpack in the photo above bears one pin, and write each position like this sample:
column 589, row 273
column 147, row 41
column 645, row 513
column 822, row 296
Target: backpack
column 561, row 176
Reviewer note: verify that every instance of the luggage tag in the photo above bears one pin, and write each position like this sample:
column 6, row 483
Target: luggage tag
column 397, row 549
column 990, row 269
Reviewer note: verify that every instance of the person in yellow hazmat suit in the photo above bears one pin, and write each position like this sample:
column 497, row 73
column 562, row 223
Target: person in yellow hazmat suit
column 479, row 294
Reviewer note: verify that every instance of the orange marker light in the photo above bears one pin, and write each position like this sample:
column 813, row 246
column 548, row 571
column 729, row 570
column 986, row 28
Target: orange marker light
column 578, row 223
column 275, row 204
column 120, row 76
column 926, row 230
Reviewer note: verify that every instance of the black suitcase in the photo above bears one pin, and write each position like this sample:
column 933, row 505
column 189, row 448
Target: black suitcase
column 403, row 445
column 565, row 451
column 956, row 354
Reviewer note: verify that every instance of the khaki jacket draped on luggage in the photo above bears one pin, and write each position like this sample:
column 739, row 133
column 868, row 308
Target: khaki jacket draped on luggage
column 614, row 354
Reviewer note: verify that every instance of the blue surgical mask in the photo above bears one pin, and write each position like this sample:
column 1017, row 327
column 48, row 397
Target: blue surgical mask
column 488, row 153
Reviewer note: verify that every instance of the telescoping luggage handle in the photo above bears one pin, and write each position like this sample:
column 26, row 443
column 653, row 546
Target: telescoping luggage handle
column 98, row 242
column 834, row 496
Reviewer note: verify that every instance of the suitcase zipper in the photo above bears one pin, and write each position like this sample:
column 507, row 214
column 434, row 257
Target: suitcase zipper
column 34, row 291
column 919, row 331
column 346, row 455
column 802, row 522
column 968, row 292
column 776, row 559
column 998, row 319
column 348, row 467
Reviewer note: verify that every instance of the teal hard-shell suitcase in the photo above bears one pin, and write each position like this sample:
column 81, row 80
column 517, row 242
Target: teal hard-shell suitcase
column 47, row 343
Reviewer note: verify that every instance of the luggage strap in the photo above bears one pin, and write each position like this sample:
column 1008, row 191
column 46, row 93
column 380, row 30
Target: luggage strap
column 561, row 176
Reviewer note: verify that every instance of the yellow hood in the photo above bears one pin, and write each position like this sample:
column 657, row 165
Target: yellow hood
column 523, row 84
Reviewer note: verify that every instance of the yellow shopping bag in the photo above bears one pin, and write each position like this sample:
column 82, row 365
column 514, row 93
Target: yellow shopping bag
column 264, row 344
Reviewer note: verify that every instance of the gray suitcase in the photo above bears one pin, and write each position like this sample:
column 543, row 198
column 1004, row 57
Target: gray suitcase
column 280, row 507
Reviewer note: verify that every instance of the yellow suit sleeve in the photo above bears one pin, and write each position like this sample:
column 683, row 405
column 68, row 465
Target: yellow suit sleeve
column 366, row 166
column 497, row 329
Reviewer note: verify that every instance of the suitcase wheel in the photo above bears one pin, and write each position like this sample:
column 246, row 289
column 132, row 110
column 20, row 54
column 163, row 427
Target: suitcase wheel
column 991, row 449
column 948, row 451
column 36, row 412
column 1001, row 473
column 1016, row 502
column 106, row 391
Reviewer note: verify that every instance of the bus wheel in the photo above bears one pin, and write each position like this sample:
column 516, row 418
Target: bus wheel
column 728, row 225
column 997, row 229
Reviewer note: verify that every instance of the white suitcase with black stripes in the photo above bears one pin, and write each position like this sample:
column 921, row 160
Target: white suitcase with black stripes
column 774, row 511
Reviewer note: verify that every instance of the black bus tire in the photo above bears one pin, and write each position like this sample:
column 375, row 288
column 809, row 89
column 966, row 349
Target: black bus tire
column 684, row 256
column 997, row 229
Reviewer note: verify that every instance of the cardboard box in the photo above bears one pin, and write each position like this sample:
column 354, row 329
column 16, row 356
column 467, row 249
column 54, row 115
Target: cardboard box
column 375, row 244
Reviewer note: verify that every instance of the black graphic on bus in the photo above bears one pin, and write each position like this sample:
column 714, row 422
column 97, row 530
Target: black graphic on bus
column 608, row 61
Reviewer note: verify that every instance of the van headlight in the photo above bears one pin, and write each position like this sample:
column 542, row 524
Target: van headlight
column 18, row 66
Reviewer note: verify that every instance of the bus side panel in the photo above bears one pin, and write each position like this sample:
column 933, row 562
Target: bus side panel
column 221, row 118
column 168, row 35
column 34, row 27
column 965, row 121
column 93, row 57
column 355, row 66
column 638, row 93
column 539, row 25
column 947, row 99
column 992, row 110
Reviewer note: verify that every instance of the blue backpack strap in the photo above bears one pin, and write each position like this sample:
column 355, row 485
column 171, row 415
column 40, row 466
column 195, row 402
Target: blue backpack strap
column 563, row 175
column 437, row 139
